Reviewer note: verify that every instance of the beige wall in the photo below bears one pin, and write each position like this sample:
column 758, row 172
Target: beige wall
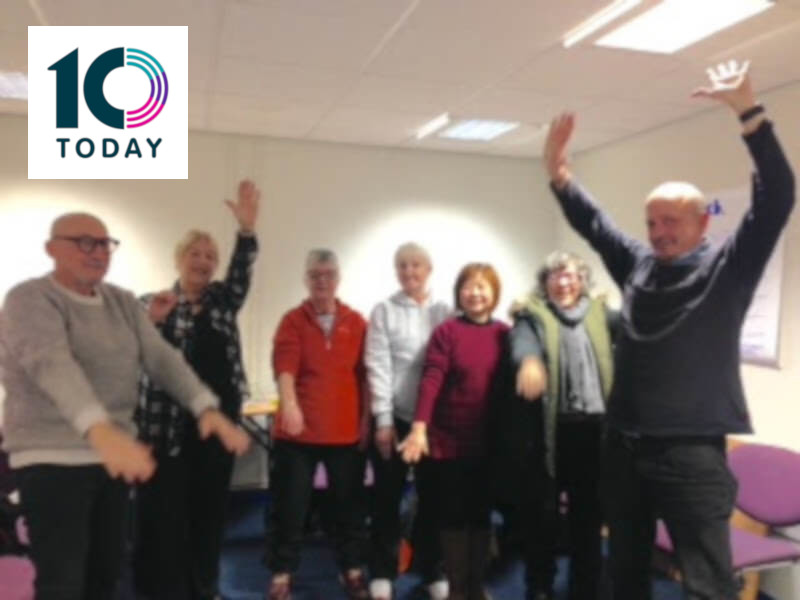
column 360, row 201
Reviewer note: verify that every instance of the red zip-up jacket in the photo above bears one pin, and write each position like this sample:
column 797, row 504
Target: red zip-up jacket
column 328, row 372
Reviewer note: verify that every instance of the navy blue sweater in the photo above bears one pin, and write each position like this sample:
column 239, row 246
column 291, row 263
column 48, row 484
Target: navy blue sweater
column 677, row 355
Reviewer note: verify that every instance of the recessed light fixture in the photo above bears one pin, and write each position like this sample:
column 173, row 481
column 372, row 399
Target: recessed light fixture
column 433, row 125
column 477, row 129
column 14, row 85
column 675, row 24
column 598, row 20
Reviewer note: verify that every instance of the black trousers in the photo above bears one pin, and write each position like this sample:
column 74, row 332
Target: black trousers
column 687, row 483
column 180, row 522
column 578, row 473
column 76, row 520
column 390, row 480
column 461, row 488
column 292, row 485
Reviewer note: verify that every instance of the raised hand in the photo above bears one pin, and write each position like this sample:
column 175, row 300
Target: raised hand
column 161, row 304
column 245, row 209
column 730, row 84
column 555, row 148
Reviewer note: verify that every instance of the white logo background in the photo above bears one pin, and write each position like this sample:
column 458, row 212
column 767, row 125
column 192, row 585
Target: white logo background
column 126, row 88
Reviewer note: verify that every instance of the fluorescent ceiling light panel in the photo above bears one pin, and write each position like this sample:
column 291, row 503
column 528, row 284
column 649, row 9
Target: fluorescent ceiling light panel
column 434, row 125
column 14, row 85
column 675, row 24
column 598, row 20
column 476, row 129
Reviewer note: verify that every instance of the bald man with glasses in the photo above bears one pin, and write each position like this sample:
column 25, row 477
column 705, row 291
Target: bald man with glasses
column 75, row 347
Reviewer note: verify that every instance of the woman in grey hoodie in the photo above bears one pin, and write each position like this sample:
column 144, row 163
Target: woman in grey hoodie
column 398, row 333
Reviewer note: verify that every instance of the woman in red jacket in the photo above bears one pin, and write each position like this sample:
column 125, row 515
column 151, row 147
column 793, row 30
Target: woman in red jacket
column 462, row 363
column 318, row 362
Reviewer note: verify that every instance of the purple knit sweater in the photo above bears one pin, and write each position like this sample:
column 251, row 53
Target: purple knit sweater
column 461, row 363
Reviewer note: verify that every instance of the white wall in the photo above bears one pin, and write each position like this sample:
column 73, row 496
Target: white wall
column 360, row 201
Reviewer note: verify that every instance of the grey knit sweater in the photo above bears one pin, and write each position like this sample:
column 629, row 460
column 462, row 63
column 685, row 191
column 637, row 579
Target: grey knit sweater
column 72, row 361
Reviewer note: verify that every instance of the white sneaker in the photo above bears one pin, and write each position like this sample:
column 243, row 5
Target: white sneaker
column 380, row 589
column 439, row 590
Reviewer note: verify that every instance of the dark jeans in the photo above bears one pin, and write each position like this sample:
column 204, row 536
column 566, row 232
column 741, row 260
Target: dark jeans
column 292, row 484
column 180, row 522
column 76, row 519
column 687, row 483
column 390, row 480
column 461, row 489
column 578, row 472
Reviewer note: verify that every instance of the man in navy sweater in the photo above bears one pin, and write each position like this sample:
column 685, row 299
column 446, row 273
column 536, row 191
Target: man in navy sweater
column 684, row 301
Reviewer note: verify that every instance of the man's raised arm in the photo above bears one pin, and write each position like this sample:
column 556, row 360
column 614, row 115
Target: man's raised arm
column 618, row 250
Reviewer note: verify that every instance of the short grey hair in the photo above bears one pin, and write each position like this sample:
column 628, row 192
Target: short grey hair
column 414, row 249
column 321, row 255
column 561, row 259
column 680, row 191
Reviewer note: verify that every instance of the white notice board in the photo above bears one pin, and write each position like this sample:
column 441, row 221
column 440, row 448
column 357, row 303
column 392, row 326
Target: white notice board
column 759, row 341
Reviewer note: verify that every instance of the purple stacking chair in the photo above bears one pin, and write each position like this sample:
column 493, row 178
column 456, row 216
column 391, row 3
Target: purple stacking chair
column 16, row 572
column 769, row 492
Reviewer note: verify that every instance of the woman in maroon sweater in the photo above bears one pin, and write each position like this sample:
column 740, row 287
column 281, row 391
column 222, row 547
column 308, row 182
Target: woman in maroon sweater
column 451, row 425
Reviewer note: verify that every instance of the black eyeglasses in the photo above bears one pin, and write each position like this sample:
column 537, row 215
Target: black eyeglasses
column 87, row 243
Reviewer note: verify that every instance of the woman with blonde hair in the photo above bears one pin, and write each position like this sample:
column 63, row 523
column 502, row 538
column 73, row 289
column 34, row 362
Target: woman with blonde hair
column 181, row 510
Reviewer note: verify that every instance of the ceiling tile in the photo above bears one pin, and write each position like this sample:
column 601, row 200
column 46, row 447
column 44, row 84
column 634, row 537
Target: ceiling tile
column 279, row 83
column 588, row 71
column 276, row 34
column 368, row 126
column 518, row 105
column 14, row 50
column 16, row 15
column 255, row 117
column 405, row 95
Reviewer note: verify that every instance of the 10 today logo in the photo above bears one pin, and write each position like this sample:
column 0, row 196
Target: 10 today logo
column 107, row 103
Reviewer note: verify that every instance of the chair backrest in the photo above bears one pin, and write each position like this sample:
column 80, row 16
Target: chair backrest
column 769, row 483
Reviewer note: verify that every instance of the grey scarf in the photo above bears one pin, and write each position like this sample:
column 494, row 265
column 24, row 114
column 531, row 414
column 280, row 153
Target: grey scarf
column 580, row 388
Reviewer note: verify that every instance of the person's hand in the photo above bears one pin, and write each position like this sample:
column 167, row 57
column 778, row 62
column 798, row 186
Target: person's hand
column 161, row 304
column 245, row 209
column 531, row 379
column 555, row 148
column 122, row 455
column 385, row 439
column 730, row 84
column 233, row 438
column 415, row 446
column 291, row 419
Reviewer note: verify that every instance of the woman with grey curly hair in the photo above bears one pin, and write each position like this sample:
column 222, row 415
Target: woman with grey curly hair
column 561, row 351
